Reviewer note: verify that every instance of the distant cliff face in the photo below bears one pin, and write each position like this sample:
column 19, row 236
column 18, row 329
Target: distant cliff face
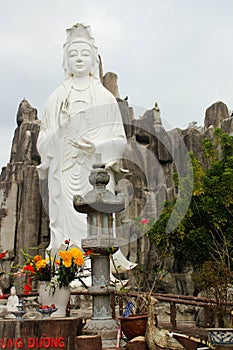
column 24, row 221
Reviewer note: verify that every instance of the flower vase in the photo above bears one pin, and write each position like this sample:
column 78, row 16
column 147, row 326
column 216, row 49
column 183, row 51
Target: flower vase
column 60, row 298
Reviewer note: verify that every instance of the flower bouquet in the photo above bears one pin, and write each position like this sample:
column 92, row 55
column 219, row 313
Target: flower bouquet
column 57, row 271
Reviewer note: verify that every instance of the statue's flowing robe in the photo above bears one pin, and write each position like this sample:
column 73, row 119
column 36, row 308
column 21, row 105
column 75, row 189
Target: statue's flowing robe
column 94, row 116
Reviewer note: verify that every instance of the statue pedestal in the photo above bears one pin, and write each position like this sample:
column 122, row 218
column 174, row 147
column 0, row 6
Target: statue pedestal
column 101, row 322
column 106, row 328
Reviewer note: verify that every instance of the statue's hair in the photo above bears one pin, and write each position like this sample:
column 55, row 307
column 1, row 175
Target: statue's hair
column 81, row 33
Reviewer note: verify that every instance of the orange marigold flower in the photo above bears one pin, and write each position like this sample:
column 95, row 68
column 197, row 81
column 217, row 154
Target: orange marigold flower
column 37, row 258
column 65, row 255
column 79, row 260
column 41, row 264
column 78, row 256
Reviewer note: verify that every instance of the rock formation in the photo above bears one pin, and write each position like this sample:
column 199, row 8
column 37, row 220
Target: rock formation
column 110, row 82
column 23, row 220
column 215, row 115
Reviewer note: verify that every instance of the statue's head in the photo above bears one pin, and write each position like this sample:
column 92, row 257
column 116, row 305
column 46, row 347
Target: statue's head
column 79, row 37
column 13, row 291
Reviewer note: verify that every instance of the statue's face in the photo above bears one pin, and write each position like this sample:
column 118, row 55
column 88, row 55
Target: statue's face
column 80, row 59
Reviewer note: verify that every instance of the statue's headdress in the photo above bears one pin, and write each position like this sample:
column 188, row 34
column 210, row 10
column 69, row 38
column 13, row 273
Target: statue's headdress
column 81, row 33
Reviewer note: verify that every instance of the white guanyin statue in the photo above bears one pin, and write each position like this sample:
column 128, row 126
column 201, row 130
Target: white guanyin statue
column 12, row 301
column 81, row 119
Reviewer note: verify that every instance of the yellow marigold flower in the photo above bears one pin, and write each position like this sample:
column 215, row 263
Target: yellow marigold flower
column 57, row 262
column 67, row 262
column 37, row 258
column 40, row 264
column 75, row 252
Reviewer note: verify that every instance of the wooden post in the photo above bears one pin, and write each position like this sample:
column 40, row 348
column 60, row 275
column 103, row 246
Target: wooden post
column 120, row 305
column 88, row 342
column 208, row 317
column 173, row 314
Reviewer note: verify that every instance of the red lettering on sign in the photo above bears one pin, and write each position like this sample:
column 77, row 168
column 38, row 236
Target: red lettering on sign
column 10, row 343
column 54, row 343
column 47, row 343
column 3, row 343
column 19, row 343
column 61, row 342
column 31, row 343
column 39, row 343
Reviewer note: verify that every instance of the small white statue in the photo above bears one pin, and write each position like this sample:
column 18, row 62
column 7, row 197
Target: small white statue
column 13, row 301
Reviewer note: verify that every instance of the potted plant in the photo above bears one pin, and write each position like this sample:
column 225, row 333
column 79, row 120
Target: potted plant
column 133, row 322
column 135, row 316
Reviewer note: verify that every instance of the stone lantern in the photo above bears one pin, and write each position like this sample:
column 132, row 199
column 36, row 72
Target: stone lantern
column 99, row 205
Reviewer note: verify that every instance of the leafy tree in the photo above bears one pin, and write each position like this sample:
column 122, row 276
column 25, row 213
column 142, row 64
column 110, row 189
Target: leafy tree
column 205, row 231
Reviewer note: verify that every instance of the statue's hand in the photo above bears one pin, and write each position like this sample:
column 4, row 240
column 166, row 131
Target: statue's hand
column 84, row 144
column 64, row 116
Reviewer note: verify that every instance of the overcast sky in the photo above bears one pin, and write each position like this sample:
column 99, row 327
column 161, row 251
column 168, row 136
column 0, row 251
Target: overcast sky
column 176, row 52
